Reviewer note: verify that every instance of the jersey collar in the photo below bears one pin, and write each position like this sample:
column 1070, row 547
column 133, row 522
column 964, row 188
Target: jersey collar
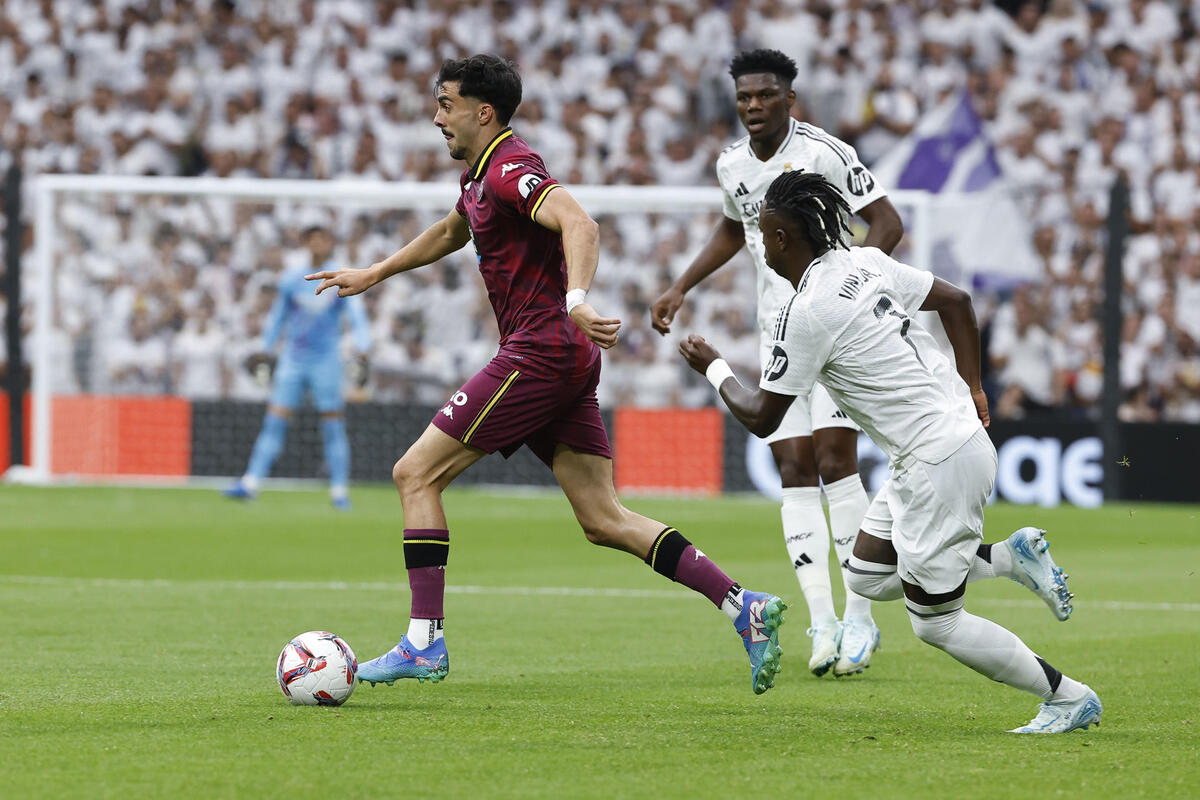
column 782, row 145
column 481, row 164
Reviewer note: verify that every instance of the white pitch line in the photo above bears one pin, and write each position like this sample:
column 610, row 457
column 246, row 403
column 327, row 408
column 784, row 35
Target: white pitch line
column 533, row 591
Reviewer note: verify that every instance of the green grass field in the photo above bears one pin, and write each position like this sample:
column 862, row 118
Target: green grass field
column 143, row 627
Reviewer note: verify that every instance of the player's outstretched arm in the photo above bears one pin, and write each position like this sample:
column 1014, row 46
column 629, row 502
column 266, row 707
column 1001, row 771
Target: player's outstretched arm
column 759, row 410
column 953, row 306
column 727, row 238
column 561, row 213
column 437, row 241
column 884, row 226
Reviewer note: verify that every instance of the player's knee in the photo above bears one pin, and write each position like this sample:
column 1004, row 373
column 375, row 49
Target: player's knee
column 882, row 586
column 833, row 465
column 598, row 529
column 408, row 476
column 937, row 630
column 794, row 473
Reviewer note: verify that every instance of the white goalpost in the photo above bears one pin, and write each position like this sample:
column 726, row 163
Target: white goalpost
column 682, row 206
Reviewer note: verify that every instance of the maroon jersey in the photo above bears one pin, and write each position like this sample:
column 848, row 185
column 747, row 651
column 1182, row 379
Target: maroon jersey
column 521, row 262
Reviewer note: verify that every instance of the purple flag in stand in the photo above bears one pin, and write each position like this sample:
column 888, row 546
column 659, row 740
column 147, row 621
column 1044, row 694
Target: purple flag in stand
column 951, row 134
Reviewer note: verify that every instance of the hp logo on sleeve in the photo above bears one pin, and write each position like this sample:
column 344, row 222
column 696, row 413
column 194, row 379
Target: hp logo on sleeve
column 777, row 365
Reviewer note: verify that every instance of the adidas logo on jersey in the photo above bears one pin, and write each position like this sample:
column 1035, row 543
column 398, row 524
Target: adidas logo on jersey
column 839, row 414
column 742, row 191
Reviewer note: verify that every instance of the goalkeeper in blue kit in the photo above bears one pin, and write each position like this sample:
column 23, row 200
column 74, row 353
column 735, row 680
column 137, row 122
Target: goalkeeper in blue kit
column 310, row 326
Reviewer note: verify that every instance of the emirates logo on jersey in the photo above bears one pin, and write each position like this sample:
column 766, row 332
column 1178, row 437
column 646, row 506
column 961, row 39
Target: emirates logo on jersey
column 777, row 365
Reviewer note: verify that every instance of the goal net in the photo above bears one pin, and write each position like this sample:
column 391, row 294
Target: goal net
column 151, row 295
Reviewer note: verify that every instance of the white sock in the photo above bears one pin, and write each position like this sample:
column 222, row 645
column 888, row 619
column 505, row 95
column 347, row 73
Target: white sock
column 732, row 604
column 984, row 646
column 424, row 632
column 1069, row 689
column 338, row 492
column 806, row 536
column 998, row 564
column 250, row 483
column 847, row 507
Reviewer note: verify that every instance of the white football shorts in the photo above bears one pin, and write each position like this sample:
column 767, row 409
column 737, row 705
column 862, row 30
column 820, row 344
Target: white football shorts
column 933, row 514
column 806, row 413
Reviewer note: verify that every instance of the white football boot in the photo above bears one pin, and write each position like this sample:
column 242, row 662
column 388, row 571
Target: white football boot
column 1033, row 568
column 859, row 640
column 1060, row 716
column 826, row 639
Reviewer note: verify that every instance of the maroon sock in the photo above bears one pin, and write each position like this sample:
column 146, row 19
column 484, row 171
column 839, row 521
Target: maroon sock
column 675, row 557
column 425, row 555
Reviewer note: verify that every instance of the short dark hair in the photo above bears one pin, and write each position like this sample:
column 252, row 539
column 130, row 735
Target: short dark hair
column 752, row 62
column 488, row 78
column 814, row 204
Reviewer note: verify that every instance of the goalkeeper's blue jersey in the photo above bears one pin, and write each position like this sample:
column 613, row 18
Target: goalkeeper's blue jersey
column 311, row 324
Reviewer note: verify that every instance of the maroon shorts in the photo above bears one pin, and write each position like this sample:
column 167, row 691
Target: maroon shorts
column 503, row 407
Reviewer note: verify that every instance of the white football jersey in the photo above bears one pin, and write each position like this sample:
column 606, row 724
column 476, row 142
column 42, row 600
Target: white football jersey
column 744, row 181
column 852, row 327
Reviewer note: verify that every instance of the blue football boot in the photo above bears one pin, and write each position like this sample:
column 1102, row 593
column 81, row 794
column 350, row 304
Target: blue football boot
column 1034, row 569
column 1063, row 716
column 406, row 661
column 239, row 492
column 758, row 624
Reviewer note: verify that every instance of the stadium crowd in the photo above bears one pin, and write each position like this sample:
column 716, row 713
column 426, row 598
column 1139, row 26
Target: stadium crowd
column 158, row 294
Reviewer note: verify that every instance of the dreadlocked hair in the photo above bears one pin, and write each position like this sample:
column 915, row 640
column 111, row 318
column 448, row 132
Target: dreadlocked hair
column 813, row 203
column 771, row 62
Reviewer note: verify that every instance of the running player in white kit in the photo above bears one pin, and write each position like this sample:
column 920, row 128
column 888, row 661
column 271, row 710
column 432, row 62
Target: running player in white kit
column 815, row 439
column 850, row 326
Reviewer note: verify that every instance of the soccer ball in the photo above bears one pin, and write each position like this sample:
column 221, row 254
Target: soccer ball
column 317, row 669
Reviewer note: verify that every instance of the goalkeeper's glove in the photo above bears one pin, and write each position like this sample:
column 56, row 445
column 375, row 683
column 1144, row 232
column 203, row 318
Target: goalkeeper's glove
column 261, row 366
column 359, row 370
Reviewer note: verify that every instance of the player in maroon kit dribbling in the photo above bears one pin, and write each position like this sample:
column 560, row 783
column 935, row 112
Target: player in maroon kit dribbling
column 537, row 252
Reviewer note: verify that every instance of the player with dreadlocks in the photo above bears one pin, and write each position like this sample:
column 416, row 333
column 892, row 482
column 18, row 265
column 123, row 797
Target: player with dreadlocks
column 816, row 443
column 850, row 325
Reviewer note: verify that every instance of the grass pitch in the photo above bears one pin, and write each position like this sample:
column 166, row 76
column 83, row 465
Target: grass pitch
column 143, row 627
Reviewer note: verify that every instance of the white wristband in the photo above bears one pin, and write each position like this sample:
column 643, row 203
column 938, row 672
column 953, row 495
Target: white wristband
column 717, row 372
column 575, row 297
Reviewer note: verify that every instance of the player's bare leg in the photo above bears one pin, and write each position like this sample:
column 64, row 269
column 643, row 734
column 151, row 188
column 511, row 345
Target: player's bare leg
column 587, row 481
column 805, row 535
column 421, row 475
column 836, row 452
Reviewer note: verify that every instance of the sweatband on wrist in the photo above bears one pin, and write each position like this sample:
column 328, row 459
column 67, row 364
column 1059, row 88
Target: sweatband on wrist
column 717, row 372
column 575, row 297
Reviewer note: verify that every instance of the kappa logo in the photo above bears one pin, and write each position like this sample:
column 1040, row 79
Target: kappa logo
column 507, row 168
column 777, row 365
column 527, row 184
column 859, row 181
column 459, row 399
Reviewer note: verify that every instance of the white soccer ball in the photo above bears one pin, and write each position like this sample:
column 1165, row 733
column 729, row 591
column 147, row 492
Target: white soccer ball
column 317, row 668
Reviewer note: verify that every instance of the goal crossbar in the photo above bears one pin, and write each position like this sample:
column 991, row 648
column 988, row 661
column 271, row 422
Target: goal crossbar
column 408, row 195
